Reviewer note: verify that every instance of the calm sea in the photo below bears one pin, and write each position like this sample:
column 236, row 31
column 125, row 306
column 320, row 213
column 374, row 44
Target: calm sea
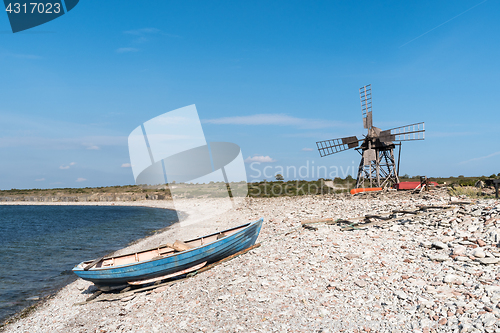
column 39, row 245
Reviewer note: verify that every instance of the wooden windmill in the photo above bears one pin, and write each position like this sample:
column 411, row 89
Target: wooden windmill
column 378, row 166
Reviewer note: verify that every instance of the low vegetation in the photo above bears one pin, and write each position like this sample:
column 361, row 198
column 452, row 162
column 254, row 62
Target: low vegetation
column 458, row 186
column 300, row 187
column 468, row 191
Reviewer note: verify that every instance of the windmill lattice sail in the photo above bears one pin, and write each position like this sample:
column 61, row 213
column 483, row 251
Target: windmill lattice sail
column 365, row 96
column 329, row 147
column 404, row 133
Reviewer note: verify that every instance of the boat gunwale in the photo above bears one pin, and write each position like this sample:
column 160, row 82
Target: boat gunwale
column 245, row 226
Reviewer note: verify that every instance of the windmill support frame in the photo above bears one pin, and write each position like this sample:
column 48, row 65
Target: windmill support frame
column 383, row 171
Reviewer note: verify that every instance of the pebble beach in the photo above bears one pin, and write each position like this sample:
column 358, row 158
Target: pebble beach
column 425, row 273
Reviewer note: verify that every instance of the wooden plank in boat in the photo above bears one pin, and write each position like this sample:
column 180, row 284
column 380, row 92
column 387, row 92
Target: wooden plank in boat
column 93, row 263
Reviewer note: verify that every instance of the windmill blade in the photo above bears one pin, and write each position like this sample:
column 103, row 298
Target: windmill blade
column 365, row 96
column 329, row 147
column 404, row 133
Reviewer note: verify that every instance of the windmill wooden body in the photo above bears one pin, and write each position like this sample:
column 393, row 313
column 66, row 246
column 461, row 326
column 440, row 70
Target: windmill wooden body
column 378, row 166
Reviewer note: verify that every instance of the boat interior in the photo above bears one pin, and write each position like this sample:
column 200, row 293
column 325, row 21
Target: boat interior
column 159, row 252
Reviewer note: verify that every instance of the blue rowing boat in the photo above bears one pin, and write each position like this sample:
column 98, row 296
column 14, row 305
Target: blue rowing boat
column 168, row 260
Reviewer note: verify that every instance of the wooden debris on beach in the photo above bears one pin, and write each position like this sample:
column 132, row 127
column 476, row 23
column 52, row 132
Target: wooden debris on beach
column 353, row 223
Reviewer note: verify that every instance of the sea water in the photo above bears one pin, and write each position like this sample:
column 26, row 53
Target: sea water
column 39, row 245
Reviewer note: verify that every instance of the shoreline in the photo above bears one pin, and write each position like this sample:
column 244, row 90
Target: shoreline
column 149, row 241
column 43, row 298
column 410, row 275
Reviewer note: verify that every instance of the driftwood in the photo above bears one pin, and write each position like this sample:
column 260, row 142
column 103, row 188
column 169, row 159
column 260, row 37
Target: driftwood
column 317, row 221
column 94, row 296
column 206, row 268
column 354, row 223
column 125, row 289
column 385, row 220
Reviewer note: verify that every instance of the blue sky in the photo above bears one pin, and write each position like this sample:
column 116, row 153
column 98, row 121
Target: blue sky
column 272, row 77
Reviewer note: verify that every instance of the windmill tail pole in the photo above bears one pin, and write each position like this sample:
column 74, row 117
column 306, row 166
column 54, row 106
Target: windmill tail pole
column 399, row 160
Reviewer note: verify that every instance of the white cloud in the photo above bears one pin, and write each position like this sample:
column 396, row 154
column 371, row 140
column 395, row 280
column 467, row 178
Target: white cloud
column 126, row 165
column 307, row 149
column 40, row 180
column 480, row 158
column 126, row 49
column 146, row 34
column 80, row 180
column 21, row 56
column 259, row 158
column 93, row 148
column 279, row 119
column 62, row 143
column 64, row 167
column 143, row 31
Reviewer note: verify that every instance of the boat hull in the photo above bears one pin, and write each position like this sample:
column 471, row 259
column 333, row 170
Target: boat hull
column 149, row 269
